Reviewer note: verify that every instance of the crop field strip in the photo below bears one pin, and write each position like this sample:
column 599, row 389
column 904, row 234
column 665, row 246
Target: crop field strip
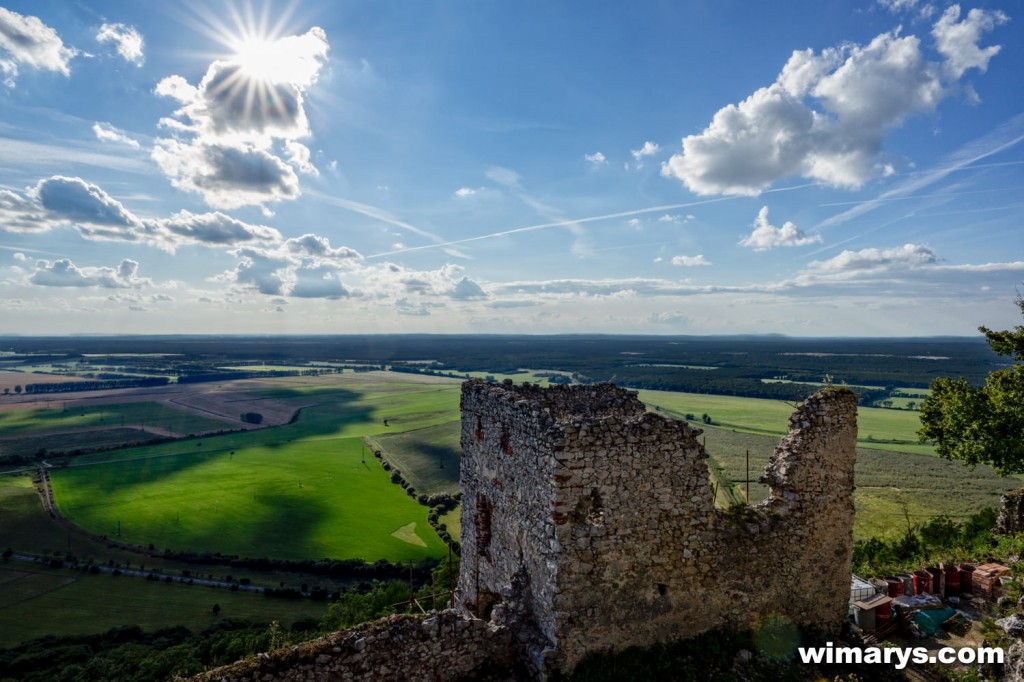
column 135, row 414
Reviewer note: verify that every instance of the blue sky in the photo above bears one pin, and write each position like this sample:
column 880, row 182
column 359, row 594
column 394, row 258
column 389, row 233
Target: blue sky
column 804, row 168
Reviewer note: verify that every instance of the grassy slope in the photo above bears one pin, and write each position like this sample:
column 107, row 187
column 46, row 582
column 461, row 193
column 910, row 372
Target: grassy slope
column 428, row 458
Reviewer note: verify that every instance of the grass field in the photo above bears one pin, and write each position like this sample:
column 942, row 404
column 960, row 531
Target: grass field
column 523, row 375
column 428, row 458
column 31, row 595
column 309, row 499
column 893, row 430
column 27, row 528
column 151, row 414
column 297, row 491
column 885, row 482
column 453, row 521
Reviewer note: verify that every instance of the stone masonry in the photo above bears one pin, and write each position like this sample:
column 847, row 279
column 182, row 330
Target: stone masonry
column 589, row 522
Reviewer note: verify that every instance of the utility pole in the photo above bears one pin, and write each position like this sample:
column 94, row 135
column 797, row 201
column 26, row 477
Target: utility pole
column 748, row 476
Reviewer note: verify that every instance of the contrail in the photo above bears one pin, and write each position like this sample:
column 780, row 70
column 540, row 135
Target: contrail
column 1002, row 138
column 577, row 221
column 374, row 212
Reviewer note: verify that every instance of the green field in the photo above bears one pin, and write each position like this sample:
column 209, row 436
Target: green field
column 31, row 595
column 298, row 491
column 309, row 499
column 149, row 414
column 885, row 481
column 27, row 528
column 453, row 521
column 523, row 375
column 428, row 458
column 893, row 430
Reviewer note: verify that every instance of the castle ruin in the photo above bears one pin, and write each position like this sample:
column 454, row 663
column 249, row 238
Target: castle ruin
column 591, row 521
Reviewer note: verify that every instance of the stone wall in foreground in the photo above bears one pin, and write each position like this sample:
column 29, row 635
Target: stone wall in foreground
column 438, row 647
column 590, row 522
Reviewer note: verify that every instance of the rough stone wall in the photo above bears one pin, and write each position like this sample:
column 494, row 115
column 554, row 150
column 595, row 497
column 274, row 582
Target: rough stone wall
column 593, row 521
column 441, row 646
column 1011, row 514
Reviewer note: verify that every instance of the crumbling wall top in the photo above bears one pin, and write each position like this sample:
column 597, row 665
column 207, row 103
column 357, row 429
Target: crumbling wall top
column 570, row 403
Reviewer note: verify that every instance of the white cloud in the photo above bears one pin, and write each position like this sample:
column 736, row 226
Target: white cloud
column 464, row 192
column 690, row 261
column 404, row 306
column 467, row 290
column 596, row 159
column 76, row 200
column 21, row 214
column 213, row 229
column 126, row 39
column 503, row 176
column 896, row 6
column 766, row 236
column 826, row 115
column 317, row 281
column 958, row 41
column 299, row 156
column 244, row 116
column 27, row 40
column 667, row 317
column 108, row 133
column 648, row 149
column 874, row 260
column 60, row 200
column 64, row 273
column 20, row 257
column 227, row 176
column 319, row 247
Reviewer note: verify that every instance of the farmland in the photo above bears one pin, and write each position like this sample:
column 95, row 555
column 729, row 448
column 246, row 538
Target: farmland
column 299, row 500
column 304, row 483
column 309, row 490
column 891, row 430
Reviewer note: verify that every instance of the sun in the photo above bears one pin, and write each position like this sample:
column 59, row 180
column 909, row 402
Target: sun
column 258, row 59
column 294, row 59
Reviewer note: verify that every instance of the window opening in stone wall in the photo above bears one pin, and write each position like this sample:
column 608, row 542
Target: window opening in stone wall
column 479, row 429
column 590, row 509
column 484, row 510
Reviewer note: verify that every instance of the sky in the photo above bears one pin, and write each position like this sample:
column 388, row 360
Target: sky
column 451, row 166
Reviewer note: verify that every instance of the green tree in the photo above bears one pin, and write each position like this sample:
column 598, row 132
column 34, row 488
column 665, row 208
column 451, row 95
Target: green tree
column 981, row 425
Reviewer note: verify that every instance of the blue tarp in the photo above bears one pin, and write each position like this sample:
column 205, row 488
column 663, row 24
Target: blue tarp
column 929, row 621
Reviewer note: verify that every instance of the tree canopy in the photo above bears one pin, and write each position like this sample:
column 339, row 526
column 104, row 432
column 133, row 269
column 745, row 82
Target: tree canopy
column 981, row 425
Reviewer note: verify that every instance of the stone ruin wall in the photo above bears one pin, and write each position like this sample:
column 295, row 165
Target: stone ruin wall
column 594, row 529
column 441, row 646
column 593, row 520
